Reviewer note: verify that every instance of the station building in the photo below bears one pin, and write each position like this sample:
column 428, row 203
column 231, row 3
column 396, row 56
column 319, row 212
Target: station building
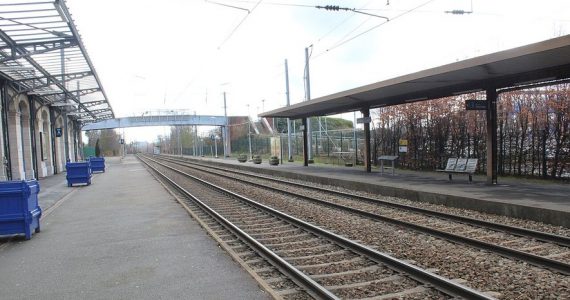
column 48, row 88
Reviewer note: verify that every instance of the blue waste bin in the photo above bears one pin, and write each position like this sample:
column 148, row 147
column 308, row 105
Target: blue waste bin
column 78, row 172
column 97, row 164
column 19, row 209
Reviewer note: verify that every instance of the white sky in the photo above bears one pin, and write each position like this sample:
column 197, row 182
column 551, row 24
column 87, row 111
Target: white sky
column 178, row 54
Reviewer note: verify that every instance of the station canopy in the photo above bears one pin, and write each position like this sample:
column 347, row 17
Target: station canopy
column 546, row 62
column 41, row 54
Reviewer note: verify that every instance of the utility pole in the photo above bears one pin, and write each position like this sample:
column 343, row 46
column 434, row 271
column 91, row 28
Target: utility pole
column 288, row 120
column 307, row 98
column 195, row 143
column 355, row 141
column 226, row 135
column 249, row 132
column 179, row 145
column 216, row 145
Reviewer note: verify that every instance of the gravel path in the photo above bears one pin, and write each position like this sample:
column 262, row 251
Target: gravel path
column 483, row 271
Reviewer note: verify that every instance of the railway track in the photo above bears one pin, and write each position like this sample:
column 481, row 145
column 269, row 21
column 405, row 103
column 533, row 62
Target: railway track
column 323, row 264
column 538, row 248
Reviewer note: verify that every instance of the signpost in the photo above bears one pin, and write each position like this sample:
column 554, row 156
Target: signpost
column 475, row 105
column 403, row 146
column 364, row 120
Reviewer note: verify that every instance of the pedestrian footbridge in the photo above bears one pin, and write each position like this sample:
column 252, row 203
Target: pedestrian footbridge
column 157, row 120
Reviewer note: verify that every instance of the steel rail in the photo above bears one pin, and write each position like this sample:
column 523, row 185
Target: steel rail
column 541, row 236
column 311, row 286
column 533, row 259
column 440, row 283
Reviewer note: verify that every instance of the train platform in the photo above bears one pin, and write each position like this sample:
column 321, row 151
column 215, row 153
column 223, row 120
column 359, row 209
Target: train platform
column 122, row 237
column 538, row 200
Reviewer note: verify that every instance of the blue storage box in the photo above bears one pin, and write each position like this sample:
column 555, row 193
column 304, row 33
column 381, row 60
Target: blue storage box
column 78, row 172
column 97, row 164
column 19, row 209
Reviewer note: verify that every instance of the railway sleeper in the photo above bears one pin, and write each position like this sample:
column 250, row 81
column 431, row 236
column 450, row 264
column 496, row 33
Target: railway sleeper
column 280, row 228
column 289, row 243
column 345, row 273
column 302, row 251
column 328, row 264
column 260, row 225
column 337, row 252
column 285, row 239
column 254, row 260
column 401, row 294
column 288, row 231
column 333, row 288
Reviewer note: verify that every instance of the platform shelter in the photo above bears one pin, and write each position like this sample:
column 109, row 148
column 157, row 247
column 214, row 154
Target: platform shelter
column 48, row 89
column 539, row 64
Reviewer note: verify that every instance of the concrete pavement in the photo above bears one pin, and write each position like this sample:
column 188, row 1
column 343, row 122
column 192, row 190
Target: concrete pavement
column 122, row 237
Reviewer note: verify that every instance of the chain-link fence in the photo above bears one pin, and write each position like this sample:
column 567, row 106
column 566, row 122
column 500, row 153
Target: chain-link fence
column 328, row 147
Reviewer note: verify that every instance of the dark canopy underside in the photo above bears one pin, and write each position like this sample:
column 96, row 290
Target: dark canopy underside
column 540, row 62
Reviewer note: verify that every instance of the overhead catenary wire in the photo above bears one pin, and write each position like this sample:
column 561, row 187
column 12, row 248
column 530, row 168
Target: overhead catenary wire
column 240, row 23
column 374, row 27
column 338, row 8
column 342, row 22
column 227, row 5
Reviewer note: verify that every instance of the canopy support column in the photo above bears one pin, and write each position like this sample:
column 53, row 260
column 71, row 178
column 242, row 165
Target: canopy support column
column 305, row 144
column 491, row 136
column 367, row 158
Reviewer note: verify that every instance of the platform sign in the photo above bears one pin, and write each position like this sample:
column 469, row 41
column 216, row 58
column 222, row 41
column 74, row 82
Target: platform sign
column 403, row 146
column 58, row 132
column 475, row 105
column 364, row 120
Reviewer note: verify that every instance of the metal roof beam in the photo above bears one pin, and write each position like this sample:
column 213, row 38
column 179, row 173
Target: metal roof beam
column 54, row 80
column 82, row 92
column 39, row 68
column 97, row 111
column 70, row 76
column 64, row 12
column 44, row 50
column 48, row 84
column 40, row 43
column 94, row 103
column 11, row 45
column 31, row 45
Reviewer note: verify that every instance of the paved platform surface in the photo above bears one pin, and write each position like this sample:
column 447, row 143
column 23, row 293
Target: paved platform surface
column 539, row 200
column 122, row 237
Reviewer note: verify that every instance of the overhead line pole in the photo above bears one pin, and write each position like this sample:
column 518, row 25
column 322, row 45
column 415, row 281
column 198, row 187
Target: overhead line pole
column 308, row 98
column 288, row 120
column 226, row 131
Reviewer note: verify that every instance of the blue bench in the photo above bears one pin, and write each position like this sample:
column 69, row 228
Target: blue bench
column 19, row 209
column 78, row 172
column 97, row 164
